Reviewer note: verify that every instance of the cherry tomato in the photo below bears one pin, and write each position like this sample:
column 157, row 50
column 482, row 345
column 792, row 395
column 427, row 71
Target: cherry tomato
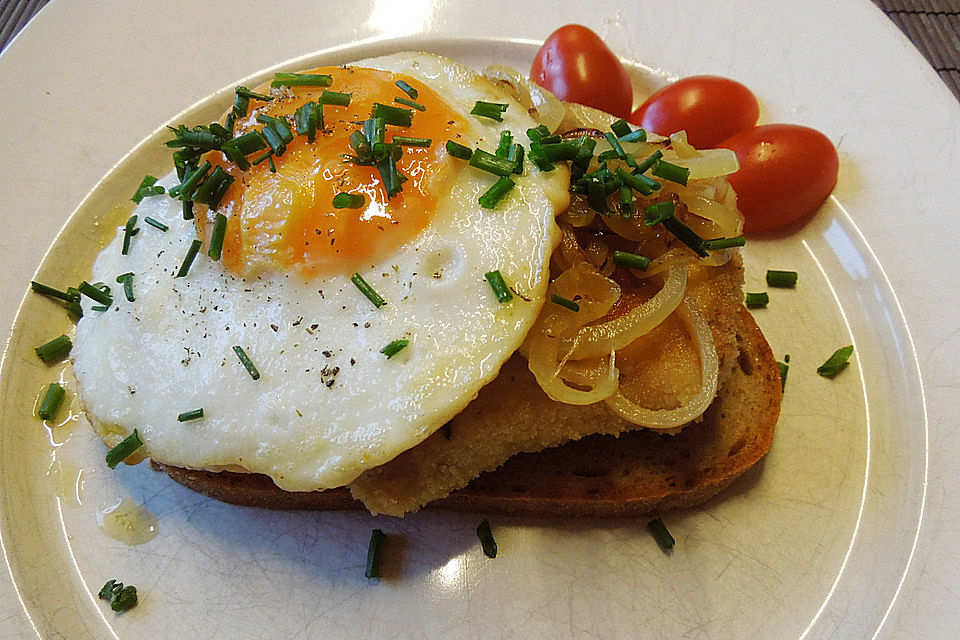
column 708, row 108
column 576, row 65
column 786, row 173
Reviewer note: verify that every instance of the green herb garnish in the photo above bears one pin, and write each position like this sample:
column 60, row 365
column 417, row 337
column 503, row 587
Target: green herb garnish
column 491, row 163
column 492, row 110
column 147, row 188
column 392, row 115
column 754, row 300
column 188, row 259
column 194, row 414
column 564, row 302
column 299, row 80
column 52, row 400
column 123, row 450
column 457, row 150
column 367, row 290
column 492, row 196
column 724, row 243
column 394, row 348
column 781, row 278
column 660, row 534
column 671, row 172
column 631, row 260
column 154, row 223
column 250, row 95
column 372, row 569
column 487, row 543
column 499, row 286
column 348, row 200
column 407, row 141
column 410, row 103
column 126, row 279
column 122, row 598
column 836, row 363
column 336, row 98
column 247, row 362
column 95, row 294
column 404, row 86
column 784, row 369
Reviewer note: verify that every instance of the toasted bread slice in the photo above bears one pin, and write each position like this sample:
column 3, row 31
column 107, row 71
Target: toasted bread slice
column 601, row 475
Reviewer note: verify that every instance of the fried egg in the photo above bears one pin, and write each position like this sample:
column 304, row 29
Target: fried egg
column 328, row 403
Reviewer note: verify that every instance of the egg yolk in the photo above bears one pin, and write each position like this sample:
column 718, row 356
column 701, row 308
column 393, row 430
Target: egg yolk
column 285, row 220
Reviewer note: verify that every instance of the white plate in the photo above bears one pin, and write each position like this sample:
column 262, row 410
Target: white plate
column 821, row 540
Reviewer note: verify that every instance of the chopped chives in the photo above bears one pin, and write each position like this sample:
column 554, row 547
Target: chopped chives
column 192, row 181
column 374, row 128
column 197, row 138
column 649, row 162
column 836, row 363
column 394, row 348
column 660, row 534
column 492, row 196
column 300, row 80
column 348, row 201
column 188, row 209
column 146, row 189
column 618, row 148
column 123, row 450
column 190, row 415
column 503, row 148
column 274, row 139
column 99, row 307
column 538, row 133
column 487, row 543
column 636, row 181
column 129, row 230
column 52, row 400
column 264, row 157
column 781, row 278
column 240, row 105
column 246, row 93
column 686, row 235
column 336, row 98
column 213, row 189
column 491, row 163
column 247, row 362
column 457, row 150
column 409, row 103
column 638, row 135
column 724, row 243
column 492, row 110
column 126, row 279
column 516, row 157
column 392, row 115
column 556, row 151
column 407, row 141
column 597, row 195
column 280, row 125
column 154, row 223
column 784, row 370
column 273, row 167
column 499, row 286
column 755, row 300
column 50, row 291
column 216, row 238
column 404, row 86
column 620, row 127
column 657, row 213
column 367, row 290
column 626, row 201
column 306, row 121
column 671, row 172
column 372, row 569
column 632, row 260
column 94, row 293
column 54, row 350
column 188, row 259
column 564, row 302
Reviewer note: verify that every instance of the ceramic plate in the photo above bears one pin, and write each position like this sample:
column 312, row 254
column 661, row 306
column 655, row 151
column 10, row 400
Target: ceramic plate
column 819, row 540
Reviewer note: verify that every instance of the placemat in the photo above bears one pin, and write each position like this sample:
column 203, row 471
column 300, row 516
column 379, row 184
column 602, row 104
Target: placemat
column 932, row 25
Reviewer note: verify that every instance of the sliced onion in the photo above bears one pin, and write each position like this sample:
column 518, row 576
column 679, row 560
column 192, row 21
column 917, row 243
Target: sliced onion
column 542, row 105
column 595, row 294
column 665, row 419
column 708, row 163
column 598, row 339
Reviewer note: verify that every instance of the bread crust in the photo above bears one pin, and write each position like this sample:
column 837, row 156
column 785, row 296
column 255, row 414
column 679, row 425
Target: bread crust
column 636, row 473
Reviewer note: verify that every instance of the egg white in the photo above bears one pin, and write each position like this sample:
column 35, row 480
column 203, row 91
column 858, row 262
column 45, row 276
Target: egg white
column 328, row 404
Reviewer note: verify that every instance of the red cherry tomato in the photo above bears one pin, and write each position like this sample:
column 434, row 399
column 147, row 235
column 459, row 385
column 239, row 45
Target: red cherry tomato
column 708, row 108
column 786, row 173
column 576, row 65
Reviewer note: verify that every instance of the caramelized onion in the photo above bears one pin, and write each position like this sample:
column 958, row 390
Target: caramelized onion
column 668, row 419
